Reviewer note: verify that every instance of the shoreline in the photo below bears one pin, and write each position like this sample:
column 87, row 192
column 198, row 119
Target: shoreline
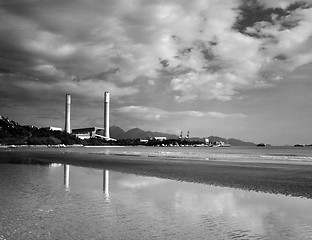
column 271, row 177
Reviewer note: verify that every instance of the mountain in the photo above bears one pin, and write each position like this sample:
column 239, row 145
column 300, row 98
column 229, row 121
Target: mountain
column 159, row 134
column 116, row 132
column 135, row 133
column 13, row 133
column 237, row 142
column 232, row 141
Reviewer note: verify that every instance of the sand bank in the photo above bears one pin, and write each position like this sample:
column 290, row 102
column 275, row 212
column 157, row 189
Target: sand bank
column 280, row 178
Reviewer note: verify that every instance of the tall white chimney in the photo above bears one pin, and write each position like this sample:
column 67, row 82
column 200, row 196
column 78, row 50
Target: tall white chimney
column 106, row 182
column 106, row 114
column 67, row 114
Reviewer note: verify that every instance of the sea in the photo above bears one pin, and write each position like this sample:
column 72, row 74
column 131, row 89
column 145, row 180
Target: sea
column 59, row 201
column 302, row 155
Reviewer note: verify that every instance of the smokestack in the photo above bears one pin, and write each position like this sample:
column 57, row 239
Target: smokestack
column 106, row 182
column 67, row 114
column 106, row 114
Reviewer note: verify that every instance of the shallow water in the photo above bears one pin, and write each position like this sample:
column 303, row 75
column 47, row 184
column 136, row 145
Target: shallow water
column 66, row 202
column 246, row 154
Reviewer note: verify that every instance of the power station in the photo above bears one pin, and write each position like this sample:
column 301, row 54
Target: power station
column 90, row 132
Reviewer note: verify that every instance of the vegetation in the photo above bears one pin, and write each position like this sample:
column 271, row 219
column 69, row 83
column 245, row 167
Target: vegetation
column 11, row 133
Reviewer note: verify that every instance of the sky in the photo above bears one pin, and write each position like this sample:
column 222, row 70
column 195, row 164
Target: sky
column 231, row 68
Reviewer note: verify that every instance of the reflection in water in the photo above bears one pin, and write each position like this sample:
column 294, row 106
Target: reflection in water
column 106, row 183
column 36, row 206
column 105, row 180
column 66, row 176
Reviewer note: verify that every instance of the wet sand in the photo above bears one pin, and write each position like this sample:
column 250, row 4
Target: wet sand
column 279, row 178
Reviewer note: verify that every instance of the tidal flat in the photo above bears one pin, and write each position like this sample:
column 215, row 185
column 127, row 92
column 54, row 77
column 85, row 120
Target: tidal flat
column 279, row 171
column 155, row 193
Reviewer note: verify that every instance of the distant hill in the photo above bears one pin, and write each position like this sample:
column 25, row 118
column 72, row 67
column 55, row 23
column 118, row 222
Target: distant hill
column 237, row 142
column 13, row 133
column 135, row 133
column 116, row 132
column 232, row 141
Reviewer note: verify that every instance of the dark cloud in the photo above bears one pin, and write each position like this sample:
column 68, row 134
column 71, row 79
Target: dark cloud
column 281, row 57
column 59, row 34
column 14, row 57
column 252, row 12
column 4, row 71
column 299, row 5
column 213, row 43
column 208, row 54
column 164, row 62
column 105, row 76
column 289, row 24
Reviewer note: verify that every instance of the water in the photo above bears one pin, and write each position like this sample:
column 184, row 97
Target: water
column 67, row 202
column 258, row 154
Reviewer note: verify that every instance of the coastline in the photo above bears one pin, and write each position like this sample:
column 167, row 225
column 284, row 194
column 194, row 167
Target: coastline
column 271, row 177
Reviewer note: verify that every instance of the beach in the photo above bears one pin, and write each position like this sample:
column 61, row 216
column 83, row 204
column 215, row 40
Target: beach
column 284, row 177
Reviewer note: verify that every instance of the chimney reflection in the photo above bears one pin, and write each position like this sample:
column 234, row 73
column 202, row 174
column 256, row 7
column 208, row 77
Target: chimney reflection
column 66, row 176
column 106, row 182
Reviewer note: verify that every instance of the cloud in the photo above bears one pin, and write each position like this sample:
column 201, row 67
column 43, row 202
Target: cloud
column 201, row 50
column 156, row 119
column 149, row 113
column 285, row 3
column 242, row 60
column 28, row 90
column 286, row 36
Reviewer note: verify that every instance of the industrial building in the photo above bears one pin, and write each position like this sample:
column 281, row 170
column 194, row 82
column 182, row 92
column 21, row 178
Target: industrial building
column 90, row 132
column 53, row 128
column 160, row 138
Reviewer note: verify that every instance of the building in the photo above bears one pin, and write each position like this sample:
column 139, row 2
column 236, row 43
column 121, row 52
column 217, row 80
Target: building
column 160, row 138
column 87, row 133
column 53, row 128
column 91, row 132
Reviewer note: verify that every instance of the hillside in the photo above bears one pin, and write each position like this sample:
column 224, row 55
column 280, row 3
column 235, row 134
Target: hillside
column 13, row 133
column 135, row 133
column 116, row 132
column 232, row 141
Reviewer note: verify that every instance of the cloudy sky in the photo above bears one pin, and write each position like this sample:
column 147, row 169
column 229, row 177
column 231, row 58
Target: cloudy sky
column 232, row 68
